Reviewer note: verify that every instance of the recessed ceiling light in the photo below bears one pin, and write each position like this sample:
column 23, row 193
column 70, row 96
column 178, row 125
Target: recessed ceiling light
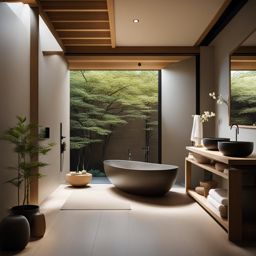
column 136, row 20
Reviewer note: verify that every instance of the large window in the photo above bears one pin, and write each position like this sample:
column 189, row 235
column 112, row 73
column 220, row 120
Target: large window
column 114, row 115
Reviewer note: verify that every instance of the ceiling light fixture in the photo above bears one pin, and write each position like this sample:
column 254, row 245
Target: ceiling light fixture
column 136, row 20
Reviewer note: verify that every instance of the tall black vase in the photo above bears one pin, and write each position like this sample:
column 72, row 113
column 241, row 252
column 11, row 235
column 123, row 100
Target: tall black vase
column 14, row 233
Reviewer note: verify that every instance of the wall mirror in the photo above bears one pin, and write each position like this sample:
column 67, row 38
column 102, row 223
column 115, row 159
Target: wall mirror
column 243, row 84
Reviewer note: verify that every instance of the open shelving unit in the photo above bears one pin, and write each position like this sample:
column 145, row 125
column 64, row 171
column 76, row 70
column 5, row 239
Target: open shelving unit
column 235, row 225
column 208, row 167
column 209, row 208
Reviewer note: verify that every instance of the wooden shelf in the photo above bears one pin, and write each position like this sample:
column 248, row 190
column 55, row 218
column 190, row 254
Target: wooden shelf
column 208, row 167
column 236, row 225
column 209, row 208
column 218, row 156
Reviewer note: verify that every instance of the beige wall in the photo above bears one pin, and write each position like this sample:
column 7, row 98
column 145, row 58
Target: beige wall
column 229, row 38
column 207, row 86
column 14, row 97
column 14, row 84
column 178, row 106
column 53, row 109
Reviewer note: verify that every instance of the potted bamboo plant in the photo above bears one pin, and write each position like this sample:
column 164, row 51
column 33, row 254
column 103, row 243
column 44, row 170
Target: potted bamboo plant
column 27, row 145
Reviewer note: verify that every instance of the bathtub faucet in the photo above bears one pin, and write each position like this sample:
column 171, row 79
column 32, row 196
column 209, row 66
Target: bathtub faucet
column 146, row 148
column 129, row 154
column 146, row 155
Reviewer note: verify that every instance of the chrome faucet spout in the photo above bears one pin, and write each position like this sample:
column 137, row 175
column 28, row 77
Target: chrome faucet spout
column 237, row 129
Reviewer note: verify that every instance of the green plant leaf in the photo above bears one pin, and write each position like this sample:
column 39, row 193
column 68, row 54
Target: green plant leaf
column 15, row 181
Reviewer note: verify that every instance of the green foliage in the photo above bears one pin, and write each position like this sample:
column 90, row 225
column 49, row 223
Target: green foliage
column 100, row 101
column 243, row 97
column 25, row 139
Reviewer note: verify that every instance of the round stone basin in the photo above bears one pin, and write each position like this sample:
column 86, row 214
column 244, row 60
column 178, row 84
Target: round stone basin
column 236, row 148
column 212, row 143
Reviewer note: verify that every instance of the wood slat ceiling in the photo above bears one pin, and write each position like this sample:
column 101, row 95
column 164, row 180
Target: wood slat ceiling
column 86, row 27
column 81, row 23
column 85, row 30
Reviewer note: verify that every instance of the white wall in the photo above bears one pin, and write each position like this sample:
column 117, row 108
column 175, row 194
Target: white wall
column 229, row 38
column 15, row 95
column 178, row 106
column 14, row 84
column 53, row 109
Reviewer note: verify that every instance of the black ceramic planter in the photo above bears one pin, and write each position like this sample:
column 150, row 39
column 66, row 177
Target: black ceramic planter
column 37, row 225
column 26, row 210
column 35, row 218
column 14, row 233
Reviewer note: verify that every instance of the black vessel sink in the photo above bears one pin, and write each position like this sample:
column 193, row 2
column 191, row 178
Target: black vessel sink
column 212, row 143
column 235, row 148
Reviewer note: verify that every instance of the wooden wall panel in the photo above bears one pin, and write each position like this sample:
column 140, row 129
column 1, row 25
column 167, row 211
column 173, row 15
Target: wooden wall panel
column 34, row 87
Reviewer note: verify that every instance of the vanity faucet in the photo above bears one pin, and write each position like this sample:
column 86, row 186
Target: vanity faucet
column 237, row 129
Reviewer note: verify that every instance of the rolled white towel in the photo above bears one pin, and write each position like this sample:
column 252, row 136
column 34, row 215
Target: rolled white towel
column 220, row 195
column 222, row 209
column 197, row 130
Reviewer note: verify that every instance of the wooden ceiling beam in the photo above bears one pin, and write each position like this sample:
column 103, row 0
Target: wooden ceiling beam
column 243, row 65
column 30, row 2
column 146, row 50
column 77, row 16
column 79, row 21
column 245, row 50
column 243, row 62
column 117, row 66
column 78, row 62
column 71, row 26
column 86, row 38
column 89, row 44
column 243, row 58
column 111, row 17
column 89, row 6
column 122, row 59
column 86, row 41
column 82, row 30
column 49, row 53
column 44, row 1
column 83, row 34
column 213, row 22
column 50, row 9
column 232, row 8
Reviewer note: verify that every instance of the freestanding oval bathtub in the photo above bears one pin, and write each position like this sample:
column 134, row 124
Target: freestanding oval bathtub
column 141, row 178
